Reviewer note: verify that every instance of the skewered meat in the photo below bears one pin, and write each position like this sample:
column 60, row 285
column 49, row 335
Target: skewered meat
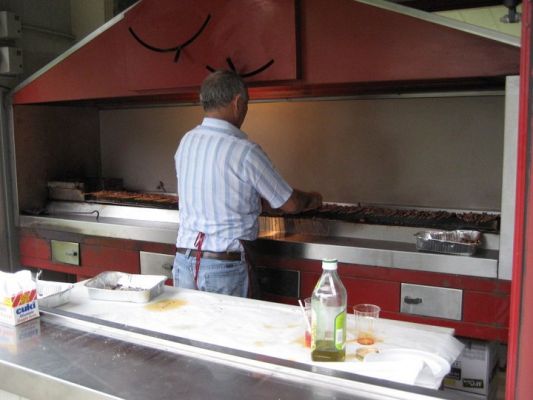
column 134, row 198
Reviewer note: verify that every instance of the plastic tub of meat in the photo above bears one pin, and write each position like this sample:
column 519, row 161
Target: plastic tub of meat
column 458, row 242
column 53, row 294
column 119, row 286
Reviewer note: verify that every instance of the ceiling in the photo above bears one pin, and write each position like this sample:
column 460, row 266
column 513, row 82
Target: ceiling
column 445, row 5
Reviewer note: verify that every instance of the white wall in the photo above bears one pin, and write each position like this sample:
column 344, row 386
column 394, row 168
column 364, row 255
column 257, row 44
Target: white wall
column 432, row 152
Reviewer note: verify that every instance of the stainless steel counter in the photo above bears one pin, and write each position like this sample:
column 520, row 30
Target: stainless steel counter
column 372, row 245
column 66, row 355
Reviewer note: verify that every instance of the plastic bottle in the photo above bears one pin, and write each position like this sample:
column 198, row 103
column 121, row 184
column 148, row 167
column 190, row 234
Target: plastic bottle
column 328, row 323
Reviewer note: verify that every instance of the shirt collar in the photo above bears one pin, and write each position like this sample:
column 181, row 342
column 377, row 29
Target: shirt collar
column 224, row 127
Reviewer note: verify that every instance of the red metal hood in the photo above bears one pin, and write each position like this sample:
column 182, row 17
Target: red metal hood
column 162, row 49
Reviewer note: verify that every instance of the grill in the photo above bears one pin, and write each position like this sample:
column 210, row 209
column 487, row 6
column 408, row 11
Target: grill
column 444, row 220
column 435, row 219
column 158, row 200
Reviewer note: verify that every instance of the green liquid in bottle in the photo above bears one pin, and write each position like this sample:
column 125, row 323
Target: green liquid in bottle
column 325, row 350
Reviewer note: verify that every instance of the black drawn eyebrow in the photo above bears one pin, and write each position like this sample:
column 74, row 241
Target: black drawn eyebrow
column 177, row 48
column 243, row 75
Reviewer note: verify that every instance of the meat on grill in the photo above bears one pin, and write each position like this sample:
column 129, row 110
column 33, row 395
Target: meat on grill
column 438, row 219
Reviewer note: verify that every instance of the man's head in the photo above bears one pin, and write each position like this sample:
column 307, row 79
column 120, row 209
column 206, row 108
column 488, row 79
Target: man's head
column 224, row 95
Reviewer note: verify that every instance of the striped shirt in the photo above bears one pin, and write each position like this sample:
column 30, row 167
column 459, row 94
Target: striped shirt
column 221, row 178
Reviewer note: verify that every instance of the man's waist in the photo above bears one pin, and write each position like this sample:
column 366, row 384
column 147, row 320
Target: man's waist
column 215, row 242
column 215, row 255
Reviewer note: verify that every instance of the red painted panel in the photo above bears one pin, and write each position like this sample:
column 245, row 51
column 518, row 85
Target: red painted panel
column 109, row 258
column 486, row 308
column 257, row 33
column 162, row 248
column 98, row 241
column 520, row 353
column 114, row 64
column 486, row 301
column 341, row 42
column 490, row 285
column 346, row 41
column 466, row 329
column 96, row 70
column 308, row 282
column 35, row 247
column 384, row 294
column 28, row 261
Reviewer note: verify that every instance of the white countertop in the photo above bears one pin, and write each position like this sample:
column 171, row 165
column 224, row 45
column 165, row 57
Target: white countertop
column 409, row 353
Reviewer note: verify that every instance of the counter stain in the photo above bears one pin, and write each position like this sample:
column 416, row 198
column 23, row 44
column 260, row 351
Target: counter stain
column 165, row 305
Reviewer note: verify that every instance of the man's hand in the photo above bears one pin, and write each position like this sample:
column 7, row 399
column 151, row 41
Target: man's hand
column 301, row 201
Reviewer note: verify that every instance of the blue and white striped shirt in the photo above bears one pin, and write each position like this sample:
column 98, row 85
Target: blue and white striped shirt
column 221, row 178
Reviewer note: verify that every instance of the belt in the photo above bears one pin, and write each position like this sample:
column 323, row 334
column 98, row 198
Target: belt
column 223, row 255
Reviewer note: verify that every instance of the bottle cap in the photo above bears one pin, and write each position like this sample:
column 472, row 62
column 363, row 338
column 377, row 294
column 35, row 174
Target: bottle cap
column 329, row 264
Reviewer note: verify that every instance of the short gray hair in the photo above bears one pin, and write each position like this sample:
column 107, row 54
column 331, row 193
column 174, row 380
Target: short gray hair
column 220, row 87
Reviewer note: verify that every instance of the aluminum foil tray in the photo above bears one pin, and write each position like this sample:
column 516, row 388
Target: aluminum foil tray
column 119, row 286
column 53, row 294
column 458, row 242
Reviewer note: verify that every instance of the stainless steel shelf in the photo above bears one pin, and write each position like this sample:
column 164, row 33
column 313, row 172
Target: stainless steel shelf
column 372, row 245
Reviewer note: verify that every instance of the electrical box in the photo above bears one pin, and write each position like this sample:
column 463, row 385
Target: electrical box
column 10, row 25
column 10, row 60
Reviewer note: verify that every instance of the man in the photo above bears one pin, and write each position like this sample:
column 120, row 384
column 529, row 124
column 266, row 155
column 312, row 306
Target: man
column 222, row 179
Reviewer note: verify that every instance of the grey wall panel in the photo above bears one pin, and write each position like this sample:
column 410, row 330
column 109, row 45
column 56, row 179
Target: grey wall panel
column 441, row 152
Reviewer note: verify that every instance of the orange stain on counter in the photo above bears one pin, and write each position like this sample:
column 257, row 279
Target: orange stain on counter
column 301, row 341
column 165, row 305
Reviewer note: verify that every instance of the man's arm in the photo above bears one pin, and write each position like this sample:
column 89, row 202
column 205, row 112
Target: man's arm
column 298, row 202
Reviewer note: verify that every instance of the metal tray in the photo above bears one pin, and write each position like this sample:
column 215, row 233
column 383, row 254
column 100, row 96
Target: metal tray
column 119, row 286
column 458, row 242
column 53, row 294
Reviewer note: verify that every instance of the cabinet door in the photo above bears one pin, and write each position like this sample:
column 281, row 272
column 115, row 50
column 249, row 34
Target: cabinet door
column 171, row 44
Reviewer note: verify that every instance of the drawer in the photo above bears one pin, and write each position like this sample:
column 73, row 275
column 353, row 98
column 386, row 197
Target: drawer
column 156, row 263
column 65, row 252
column 431, row 301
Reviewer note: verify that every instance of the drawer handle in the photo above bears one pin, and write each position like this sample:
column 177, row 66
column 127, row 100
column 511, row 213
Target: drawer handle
column 167, row 266
column 410, row 300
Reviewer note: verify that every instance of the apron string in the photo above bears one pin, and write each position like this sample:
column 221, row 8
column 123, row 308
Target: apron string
column 198, row 244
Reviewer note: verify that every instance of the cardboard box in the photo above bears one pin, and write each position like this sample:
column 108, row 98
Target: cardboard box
column 474, row 369
column 19, row 308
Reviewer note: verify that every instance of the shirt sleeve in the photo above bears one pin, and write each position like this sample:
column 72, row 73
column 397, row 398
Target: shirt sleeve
column 264, row 177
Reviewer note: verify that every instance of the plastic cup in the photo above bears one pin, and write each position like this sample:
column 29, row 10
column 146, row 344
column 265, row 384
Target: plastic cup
column 365, row 321
column 307, row 334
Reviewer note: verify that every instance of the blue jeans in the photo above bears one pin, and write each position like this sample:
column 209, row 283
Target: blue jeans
column 217, row 276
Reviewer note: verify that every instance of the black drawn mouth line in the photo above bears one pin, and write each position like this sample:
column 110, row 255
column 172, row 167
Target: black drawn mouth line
column 177, row 49
column 243, row 75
